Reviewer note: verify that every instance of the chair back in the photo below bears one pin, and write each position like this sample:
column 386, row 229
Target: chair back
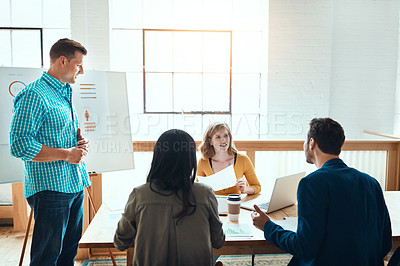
column 395, row 259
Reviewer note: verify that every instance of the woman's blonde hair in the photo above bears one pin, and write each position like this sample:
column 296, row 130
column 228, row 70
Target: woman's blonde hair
column 206, row 149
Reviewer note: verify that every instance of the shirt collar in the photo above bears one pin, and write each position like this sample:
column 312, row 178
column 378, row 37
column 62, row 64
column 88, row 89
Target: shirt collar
column 64, row 89
column 333, row 161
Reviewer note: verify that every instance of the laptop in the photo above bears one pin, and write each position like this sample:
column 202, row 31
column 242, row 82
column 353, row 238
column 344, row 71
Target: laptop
column 283, row 195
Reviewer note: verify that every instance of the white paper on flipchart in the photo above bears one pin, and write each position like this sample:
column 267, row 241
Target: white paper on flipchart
column 289, row 223
column 223, row 179
column 12, row 81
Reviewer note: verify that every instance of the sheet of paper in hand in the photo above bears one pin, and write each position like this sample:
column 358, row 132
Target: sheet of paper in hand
column 223, row 179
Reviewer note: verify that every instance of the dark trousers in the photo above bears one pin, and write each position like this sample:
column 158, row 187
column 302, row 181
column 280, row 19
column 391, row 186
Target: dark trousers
column 58, row 227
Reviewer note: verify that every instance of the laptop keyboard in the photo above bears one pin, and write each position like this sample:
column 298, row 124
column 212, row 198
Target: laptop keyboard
column 263, row 206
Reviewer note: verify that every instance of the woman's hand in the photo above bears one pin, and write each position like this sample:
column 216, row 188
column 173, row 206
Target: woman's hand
column 242, row 186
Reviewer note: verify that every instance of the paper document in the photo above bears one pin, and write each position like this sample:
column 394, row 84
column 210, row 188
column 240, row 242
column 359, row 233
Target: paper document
column 111, row 219
column 235, row 230
column 289, row 223
column 223, row 179
column 115, row 204
column 222, row 203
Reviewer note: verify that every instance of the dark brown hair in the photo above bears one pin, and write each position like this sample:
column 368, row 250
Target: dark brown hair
column 66, row 47
column 328, row 134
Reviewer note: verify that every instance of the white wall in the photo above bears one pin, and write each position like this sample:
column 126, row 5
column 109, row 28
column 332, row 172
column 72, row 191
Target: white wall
column 397, row 101
column 333, row 58
column 364, row 65
column 300, row 48
column 90, row 26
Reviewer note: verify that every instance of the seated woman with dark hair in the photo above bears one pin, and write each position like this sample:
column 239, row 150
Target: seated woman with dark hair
column 171, row 219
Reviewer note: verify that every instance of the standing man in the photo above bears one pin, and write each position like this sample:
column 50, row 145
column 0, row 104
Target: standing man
column 342, row 215
column 45, row 135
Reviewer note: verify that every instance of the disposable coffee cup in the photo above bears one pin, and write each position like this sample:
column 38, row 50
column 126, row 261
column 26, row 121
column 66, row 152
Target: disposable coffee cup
column 234, row 201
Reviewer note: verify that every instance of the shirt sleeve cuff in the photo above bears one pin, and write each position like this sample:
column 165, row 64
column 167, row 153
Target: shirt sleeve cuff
column 269, row 227
column 32, row 151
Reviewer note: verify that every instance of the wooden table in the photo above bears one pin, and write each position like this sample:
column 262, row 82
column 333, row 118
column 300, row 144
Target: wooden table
column 392, row 199
column 99, row 236
column 257, row 243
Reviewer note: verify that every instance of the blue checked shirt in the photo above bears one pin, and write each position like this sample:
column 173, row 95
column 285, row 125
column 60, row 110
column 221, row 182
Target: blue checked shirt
column 44, row 115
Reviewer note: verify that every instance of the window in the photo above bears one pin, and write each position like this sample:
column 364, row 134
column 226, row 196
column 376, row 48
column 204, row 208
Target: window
column 187, row 71
column 21, row 47
column 225, row 79
column 28, row 30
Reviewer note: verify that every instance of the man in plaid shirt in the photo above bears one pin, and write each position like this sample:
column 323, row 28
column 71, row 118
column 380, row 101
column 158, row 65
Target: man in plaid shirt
column 45, row 134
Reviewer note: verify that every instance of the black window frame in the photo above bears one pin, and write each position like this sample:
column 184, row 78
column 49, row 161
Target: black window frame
column 22, row 28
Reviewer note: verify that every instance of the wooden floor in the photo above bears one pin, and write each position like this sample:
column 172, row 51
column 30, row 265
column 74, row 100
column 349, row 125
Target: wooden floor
column 11, row 246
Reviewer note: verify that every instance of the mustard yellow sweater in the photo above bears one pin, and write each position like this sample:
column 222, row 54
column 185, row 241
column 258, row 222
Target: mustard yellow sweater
column 243, row 166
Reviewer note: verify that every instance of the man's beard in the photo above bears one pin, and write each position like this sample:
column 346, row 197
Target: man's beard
column 309, row 158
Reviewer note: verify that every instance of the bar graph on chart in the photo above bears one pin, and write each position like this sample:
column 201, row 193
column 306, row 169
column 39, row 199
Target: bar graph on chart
column 87, row 91
column 237, row 230
column 91, row 100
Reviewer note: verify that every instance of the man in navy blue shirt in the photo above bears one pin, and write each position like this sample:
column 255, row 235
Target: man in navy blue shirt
column 342, row 215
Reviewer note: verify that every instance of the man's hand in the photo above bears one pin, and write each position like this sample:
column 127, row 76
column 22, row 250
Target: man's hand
column 82, row 143
column 259, row 218
column 72, row 155
column 75, row 155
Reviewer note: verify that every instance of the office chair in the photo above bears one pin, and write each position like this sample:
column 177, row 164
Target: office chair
column 395, row 259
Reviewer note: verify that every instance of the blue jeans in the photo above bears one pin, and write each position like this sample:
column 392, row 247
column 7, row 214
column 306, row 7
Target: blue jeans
column 215, row 258
column 58, row 227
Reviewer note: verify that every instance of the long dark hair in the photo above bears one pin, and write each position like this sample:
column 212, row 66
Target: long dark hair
column 174, row 168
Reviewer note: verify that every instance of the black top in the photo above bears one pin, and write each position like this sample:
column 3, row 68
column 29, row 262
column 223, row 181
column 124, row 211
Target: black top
column 234, row 161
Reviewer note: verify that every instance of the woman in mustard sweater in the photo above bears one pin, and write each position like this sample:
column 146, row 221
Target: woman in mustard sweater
column 218, row 153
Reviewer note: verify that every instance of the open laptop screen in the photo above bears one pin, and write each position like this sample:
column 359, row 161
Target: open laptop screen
column 283, row 195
